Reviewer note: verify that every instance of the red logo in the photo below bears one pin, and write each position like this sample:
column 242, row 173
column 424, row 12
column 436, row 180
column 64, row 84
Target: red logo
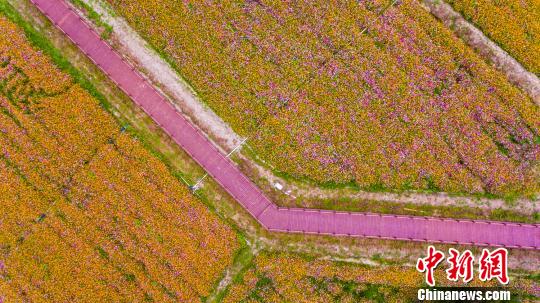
column 460, row 265
column 491, row 265
column 429, row 263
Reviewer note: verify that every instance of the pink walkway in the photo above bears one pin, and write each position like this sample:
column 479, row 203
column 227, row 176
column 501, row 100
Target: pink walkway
column 248, row 195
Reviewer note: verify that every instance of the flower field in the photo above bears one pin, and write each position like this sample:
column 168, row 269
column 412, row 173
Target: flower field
column 401, row 105
column 281, row 277
column 513, row 24
column 88, row 214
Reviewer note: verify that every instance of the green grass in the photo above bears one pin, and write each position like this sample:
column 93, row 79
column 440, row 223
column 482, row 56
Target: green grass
column 381, row 260
column 95, row 17
column 243, row 261
column 386, row 207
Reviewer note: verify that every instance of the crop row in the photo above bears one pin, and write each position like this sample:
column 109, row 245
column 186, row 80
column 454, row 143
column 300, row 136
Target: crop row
column 88, row 214
column 339, row 91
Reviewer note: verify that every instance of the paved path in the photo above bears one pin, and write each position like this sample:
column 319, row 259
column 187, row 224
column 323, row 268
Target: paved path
column 512, row 235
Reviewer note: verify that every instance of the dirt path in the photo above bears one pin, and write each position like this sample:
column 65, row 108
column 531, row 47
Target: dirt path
column 155, row 67
column 488, row 49
column 306, row 192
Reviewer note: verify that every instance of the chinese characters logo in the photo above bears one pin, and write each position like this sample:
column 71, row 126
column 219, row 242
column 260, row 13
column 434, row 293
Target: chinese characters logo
column 491, row 265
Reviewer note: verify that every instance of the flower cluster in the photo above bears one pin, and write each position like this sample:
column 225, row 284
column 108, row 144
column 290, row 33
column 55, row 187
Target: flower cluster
column 516, row 28
column 88, row 214
column 336, row 91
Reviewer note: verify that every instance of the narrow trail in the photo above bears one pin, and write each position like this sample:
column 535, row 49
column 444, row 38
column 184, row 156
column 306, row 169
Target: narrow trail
column 272, row 217
column 488, row 49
